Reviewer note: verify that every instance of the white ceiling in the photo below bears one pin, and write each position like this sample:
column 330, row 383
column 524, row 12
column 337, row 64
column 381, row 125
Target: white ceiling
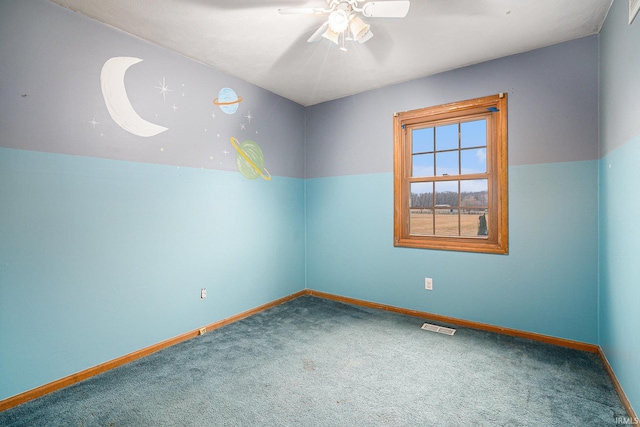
column 249, row 39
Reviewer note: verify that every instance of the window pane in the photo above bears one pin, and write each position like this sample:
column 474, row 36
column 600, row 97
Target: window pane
column 421, row 194
column 447, row 163
column 474, row 192
column 447, row 137
column 421, row 212
column 473, row 134
column 422, row 165
column 446, row 221
column 446, row 212
column 447, row 193
column 474, row 198
column 421, row 222
column 473, row 161
column 422, row 140
column 474, row 222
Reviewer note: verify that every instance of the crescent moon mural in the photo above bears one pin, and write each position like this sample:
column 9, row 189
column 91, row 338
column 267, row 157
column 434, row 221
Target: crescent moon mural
column 117, row 100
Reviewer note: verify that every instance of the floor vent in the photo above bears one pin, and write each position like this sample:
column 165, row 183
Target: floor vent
column 438, row 329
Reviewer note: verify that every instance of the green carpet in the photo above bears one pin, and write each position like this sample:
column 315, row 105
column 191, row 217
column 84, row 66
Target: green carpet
column 314, row 362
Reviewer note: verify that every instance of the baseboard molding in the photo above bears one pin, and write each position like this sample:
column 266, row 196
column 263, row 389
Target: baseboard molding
column 591, row 348
column 616, row 384
column 111, row 364
column 577, row 345
column 88, row 373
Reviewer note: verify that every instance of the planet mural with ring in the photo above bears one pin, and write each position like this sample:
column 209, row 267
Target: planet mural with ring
column 250, row 160
column 227, row 100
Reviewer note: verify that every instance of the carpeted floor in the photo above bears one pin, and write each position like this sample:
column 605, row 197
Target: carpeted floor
column 314, row 362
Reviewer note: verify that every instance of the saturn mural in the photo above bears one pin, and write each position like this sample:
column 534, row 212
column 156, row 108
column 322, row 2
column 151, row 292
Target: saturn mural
column 250, row 160
column 227, row 100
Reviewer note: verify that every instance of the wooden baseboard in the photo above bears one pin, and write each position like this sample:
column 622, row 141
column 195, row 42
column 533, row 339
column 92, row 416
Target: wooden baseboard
column 591, row 348
column 577, row 345
column 111, row 364
column 616, row 384
column 88, row 373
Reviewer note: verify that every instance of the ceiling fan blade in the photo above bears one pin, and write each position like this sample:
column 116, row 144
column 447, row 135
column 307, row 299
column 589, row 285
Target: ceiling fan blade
column 386, row 9
column 318, row 34
column 302, row 11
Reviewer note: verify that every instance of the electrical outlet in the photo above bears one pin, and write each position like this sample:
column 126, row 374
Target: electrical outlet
column 202, row 331
column 428, row 283
column 203, row 293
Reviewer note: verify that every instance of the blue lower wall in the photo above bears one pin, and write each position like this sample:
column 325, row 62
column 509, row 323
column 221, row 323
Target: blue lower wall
column 620, row 265
column 100, row 258
column 619, row 103
column 547, row 284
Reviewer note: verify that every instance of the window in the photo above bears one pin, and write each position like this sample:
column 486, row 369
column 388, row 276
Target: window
column 450, row 176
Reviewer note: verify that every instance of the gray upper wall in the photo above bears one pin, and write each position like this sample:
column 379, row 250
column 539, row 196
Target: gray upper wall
column 552, row 98
column 619, row 62
column 51, row 98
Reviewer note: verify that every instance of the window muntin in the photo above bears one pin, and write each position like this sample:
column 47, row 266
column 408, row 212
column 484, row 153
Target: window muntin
column 450, row 187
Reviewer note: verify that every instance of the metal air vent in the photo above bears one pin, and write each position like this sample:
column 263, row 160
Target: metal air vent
column 438, row 329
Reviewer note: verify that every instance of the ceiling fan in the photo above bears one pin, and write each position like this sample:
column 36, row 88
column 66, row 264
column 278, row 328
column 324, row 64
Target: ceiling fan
column 344, row 23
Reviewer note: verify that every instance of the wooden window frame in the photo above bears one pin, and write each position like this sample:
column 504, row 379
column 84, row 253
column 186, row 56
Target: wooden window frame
column 495, row 108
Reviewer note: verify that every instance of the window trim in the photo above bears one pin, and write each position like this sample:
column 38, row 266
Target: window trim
column 497, row 241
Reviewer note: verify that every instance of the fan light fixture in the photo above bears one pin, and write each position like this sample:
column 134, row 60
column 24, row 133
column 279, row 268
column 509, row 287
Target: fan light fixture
column 344, row 24
column 332, row 35
column 359, row 28
column 338, row 20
